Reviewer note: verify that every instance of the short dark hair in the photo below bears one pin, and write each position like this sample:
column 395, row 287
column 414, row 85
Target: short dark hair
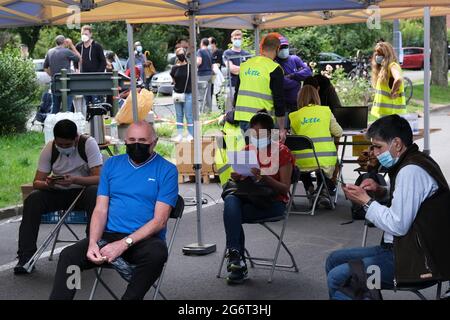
column 205, row 42
column 389, row 127
column 311, row 81
column 324, row 82
column 213, row 40
column 262, row 118
column 65, row 129
column 60, row 39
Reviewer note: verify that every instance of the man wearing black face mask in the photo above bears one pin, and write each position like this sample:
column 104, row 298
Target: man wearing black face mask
column 66, row 164
column 136, row 193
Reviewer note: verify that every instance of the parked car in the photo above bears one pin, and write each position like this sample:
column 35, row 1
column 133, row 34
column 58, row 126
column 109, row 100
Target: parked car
column 333, row 59
column 162, row 81
column 42, row 77
column 413, row 58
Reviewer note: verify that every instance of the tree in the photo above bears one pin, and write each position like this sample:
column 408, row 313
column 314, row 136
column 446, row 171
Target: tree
column 439, row 55
column 29, row 36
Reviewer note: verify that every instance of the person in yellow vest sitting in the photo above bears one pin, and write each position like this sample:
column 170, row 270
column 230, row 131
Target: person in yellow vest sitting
column 276, row 165
column 318, row 123
column 388, row 82
column 260, row 86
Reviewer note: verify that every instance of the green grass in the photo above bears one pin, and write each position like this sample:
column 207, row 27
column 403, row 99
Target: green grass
column 438, row 95
column 19, row 155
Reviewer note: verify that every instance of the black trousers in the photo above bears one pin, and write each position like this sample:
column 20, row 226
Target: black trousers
column 148, row 256
column 306, row 178
column 44, row 201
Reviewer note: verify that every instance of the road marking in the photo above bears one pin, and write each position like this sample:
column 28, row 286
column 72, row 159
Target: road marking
column 46, row 254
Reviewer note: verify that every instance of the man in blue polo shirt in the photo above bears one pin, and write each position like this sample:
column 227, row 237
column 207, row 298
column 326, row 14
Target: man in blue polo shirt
column 135, row 196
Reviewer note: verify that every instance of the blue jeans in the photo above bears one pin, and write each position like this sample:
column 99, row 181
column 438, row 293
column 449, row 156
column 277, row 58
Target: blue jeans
column 57, row 101
column 338, row 270
column 236, row 212
column 184, row 109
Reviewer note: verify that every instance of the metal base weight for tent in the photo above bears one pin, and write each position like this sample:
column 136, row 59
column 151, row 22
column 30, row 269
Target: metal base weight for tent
column 196, row 249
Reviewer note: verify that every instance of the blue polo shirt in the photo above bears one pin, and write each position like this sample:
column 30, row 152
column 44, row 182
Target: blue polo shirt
column 133, row 191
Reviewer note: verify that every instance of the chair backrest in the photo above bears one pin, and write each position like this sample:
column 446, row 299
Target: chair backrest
column 177, row 211
column 299, row 143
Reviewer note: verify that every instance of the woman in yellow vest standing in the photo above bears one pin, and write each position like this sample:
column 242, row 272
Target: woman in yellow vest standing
column 387, row 81
column 318, row 123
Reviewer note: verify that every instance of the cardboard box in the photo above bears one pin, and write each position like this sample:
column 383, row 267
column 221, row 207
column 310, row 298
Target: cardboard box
column 184, row 156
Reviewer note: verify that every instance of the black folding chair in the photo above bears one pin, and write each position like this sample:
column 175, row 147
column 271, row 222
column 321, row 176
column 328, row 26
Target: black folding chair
column 272, row 262
column 300, row 143
column 175, row 214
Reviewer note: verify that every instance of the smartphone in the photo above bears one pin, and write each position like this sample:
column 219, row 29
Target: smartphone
column 56, row 177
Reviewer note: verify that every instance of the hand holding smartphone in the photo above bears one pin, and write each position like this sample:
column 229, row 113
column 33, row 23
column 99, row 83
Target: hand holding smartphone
column 55, row 178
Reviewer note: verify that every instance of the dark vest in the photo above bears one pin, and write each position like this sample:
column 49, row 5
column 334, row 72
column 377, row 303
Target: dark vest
column 423, row 254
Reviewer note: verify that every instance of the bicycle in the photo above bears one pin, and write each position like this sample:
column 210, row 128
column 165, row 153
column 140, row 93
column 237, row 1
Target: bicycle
column 408, row 89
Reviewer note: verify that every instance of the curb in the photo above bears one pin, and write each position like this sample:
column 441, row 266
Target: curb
column 12, row 211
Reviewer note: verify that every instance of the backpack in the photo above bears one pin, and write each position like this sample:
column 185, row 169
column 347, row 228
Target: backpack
column 356, row 285
column 45, row 107
column 81, row 149
column 357, row 210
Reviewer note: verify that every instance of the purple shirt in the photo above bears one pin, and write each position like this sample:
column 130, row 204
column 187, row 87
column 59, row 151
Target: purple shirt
column 300, row 71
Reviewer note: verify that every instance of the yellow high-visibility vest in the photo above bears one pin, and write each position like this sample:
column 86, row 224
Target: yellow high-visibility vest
column 383, row 104
column 314, row 122
column 254, row 88
column 233, row 141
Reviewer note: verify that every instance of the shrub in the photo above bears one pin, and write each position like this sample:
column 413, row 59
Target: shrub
column 18, row 91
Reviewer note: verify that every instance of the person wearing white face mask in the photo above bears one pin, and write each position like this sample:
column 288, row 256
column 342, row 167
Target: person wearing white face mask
column 140, row 59
column 233, row 58
column 415, row 223
column 295, row 71
column 92, row 58
column 276, row 164
column 66, row 164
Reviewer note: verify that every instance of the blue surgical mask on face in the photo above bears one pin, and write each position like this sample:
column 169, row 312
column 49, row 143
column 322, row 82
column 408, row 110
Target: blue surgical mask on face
column 237, row 43
column 283, row 53
column 66, row 151
column 259, row 143
column 386, row 159
column 379, row 59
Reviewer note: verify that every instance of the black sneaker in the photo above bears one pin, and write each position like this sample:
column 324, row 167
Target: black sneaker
column 238, row 276
column 19, row 269
column 234, row 260
column 325, row 202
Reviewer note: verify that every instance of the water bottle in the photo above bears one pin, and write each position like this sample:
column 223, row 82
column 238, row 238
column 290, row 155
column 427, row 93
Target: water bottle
column 124, row 268
column 114, row 132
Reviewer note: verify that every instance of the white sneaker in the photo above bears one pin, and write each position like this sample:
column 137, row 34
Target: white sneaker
column 178, row 138
column 189, row 138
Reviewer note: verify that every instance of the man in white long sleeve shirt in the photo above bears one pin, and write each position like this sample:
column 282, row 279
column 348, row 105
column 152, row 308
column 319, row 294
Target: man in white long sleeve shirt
column 412, row 185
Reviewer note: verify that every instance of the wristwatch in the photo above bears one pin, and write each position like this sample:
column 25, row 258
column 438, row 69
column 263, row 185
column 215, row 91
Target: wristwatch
column 367, row 204
column 129, row 241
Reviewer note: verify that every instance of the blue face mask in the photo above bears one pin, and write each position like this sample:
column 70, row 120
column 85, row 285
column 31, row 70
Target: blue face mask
column 386, row 159
column 259, row 143
column 379, row 59
column 237, row 43
column 283, row 53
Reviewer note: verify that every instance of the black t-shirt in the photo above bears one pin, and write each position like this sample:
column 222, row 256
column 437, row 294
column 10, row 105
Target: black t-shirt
column 179, row 74
column 217, row 57
column 205, row 69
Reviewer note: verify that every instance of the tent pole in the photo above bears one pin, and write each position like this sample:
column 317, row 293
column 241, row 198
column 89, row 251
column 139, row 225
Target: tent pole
column 198, row 248
column 133, row 71
column 426, row 81
column 257, row 36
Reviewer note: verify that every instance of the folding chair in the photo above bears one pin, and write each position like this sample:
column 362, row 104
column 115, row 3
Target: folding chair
column 300, row 143
column 53, row 234
column 272, row 262
column 411, row 287
column 176, row 214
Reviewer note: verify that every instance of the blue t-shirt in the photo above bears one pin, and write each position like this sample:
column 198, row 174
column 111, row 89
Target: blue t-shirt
column 133, row 191
column 205, row 69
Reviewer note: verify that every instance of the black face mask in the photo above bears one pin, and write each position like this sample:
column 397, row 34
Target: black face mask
column 181, row 57
column 138, row 152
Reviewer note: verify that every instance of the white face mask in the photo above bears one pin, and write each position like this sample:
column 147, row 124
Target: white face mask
column 237, row 43
column 283, row 53
column 85, row 38
column 139, row 49
column 66, row 151
column 259, row 143
column 379, row 59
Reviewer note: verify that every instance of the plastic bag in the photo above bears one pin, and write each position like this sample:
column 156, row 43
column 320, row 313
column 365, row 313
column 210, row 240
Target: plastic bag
column 145, row 104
